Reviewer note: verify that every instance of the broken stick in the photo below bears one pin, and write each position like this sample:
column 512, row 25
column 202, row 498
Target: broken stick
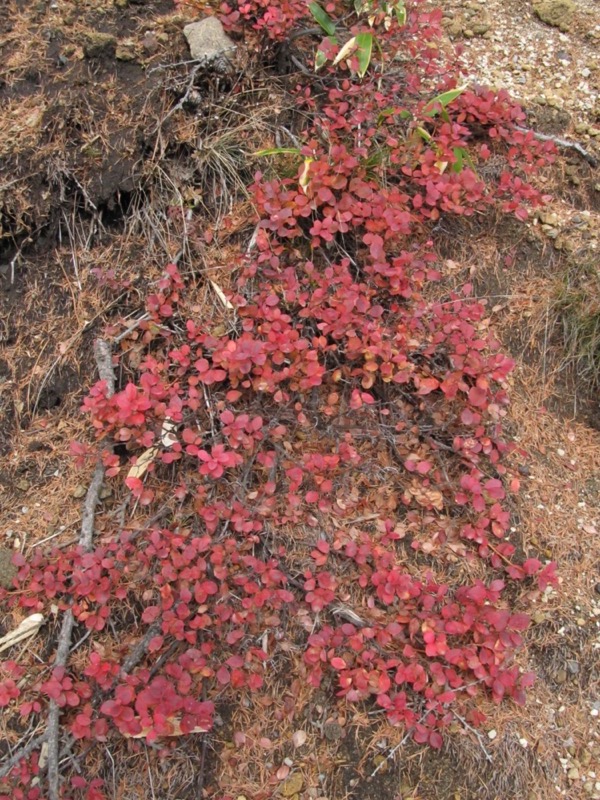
column 103, row 355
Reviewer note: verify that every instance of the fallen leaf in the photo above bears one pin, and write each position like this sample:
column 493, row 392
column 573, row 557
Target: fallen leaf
column 176, row 726
column 28, row 627
column 166, row 433
column 221, row 295
column 299, row 738
column 346, row 50
column 141, row 465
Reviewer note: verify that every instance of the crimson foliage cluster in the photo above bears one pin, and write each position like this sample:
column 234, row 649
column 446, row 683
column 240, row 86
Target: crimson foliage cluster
column 339, row 382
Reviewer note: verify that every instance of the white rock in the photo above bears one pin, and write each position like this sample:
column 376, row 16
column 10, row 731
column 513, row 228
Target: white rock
column 209, row 44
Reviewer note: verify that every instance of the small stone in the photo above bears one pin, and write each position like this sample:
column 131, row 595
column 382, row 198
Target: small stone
column 580, row 622
column 469, row 34
column 150, row 42
column 332, row 731
column 23, row 484
column 597, row 586
column 548, row 218
column 573, row 774
column 492, row 734
column 585, row 72
column 99, row 45
column 381, row 763
column 573, row 667
column 523, row 742
column 208, row 42
column 79, row 491
column 292, row 785
column 561, row 676
column 125, row 50
column 480, row 28
column 8, row 571
column 455, row 28
column 121, row 3
column 105, row 491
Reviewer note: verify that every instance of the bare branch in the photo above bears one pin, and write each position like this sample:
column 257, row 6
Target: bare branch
column 564, row 143
column 103, row 356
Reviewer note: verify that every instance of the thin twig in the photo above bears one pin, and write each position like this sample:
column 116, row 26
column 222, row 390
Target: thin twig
column 183, row 100
column 103, row 355
column 395, row 749
column 253, row 239
column 477, row 733
column 139, row 650
column 132, row 327
column 565, row 143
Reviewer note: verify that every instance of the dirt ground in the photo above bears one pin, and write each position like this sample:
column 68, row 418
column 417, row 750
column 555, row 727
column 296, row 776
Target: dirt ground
column 97, row 180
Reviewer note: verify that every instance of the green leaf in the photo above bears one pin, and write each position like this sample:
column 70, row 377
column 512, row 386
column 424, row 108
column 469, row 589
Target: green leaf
column 444, row 99
column 400, row 10
column 423, row 134
column 277, row 151
column 323, row 18
column 320, row 60
column 364, row 49
column 459, row 154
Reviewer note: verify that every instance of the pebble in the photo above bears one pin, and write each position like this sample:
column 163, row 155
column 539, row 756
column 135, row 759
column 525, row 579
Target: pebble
column 292, row 785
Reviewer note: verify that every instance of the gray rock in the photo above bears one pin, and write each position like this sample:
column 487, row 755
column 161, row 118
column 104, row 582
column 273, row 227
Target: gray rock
column 558, row 13
column 209, row 44
column 7, row 569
